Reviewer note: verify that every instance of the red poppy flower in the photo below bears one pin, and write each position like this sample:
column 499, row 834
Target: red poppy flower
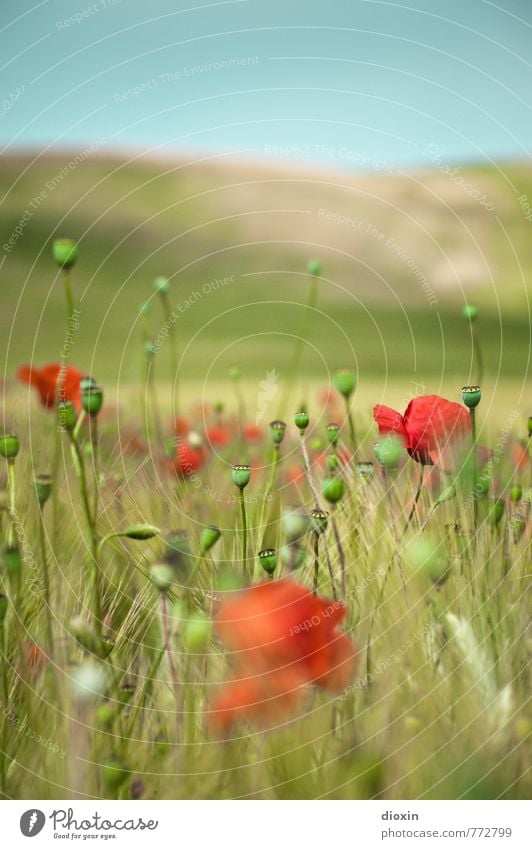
column 45, row 382
column 252, row 432
column 430, row 426
column 218, row 435
column 186, row 460
column 281, row 638
column 179, row 426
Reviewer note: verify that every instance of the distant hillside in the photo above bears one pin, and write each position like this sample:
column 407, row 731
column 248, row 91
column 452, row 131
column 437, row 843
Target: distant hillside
column 401, row 254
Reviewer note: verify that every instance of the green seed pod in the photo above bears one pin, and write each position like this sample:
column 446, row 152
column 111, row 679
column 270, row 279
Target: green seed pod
column 333, row 433
column 301, row 420
column 470, row 312
column 9, row 446
column 150, row 348
column 3, row 608
column 365, row 469
column 268, row 560
column 332, row 462
column 91, row 396
column 177, row 548
column 318, row 521
column 234, row 373
column 197, row 633
column 114, row 775
column 496, row 511
column 13, row 562
column 141, row 532
column 428, row 561
column 43, row 488
column 66, row 415
column 125, row 694
column 105, row 715
column 333, row 489
column 314, row 267
column 85, row 635
column 65, row 252
column 516, row 492
column 161, row 285
column 241, row 474
column 345, row 380
column 471, row 396
column 295, row 524
column 209, row 536
column 162, row 576
column 388, row 451
column 277, row 430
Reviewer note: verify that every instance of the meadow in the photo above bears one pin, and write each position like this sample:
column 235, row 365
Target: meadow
column 227, row 570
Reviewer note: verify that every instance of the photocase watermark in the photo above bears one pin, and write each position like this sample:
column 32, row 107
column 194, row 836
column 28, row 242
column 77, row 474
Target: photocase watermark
column 183, row 306
column 268, row 389
column 435, row 153
column 31, row 734
column 179, row 74
column 373, row 232
column 524, row 203
column 391, row 659
column 83, row 14
column 49, row 186
column 335, row 154
column 10, row 100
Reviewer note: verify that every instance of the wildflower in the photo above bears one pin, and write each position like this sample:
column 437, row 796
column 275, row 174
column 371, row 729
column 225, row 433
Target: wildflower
column 218, row 435
column 45, row 380
column 252, row 432
column 186, row 460
column 282, row 638
column 430, row 426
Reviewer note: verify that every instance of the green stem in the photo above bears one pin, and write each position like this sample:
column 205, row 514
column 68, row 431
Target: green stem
column 244, row 530
column 174, row 374
column 299, row 343
column 416, row 497
column 478, row 356
column 351, row 423
column 5, row 712
column 47, row 593
column 474, row 452
column 316, row 547
column 12, row 505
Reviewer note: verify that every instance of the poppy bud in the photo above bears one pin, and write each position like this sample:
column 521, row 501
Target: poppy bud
column 302, row 420
column 518, row 525
column 241, row 474
column 365, row 469
column 318, row 521
column 91, row 396
column 162, row 576
column 428, row 561
column 295, row 524
column 141, row 532
column 114, row 774
column 234, row 373
column 3, row 608
column 471, row 396
column 65, row 252
column 345, row 380
column 9, row 446
column 332, row 489
column 161, row 285
column 84, row 635
column 209, row 537
column 13, row 562
column 314, row 267
column 388, row 451
column 268, row 560
column 470, row 312
column 333, row 433
column 496, row 511
column 197, row 633
column 66, row 415
column 332, row 462
column 516, row 492
column 277, row 429
column 43, row 488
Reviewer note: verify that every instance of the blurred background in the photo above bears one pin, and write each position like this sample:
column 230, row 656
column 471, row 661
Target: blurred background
column 225, row 144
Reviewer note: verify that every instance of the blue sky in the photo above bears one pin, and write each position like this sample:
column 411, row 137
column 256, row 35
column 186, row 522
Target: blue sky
column 351, row 83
